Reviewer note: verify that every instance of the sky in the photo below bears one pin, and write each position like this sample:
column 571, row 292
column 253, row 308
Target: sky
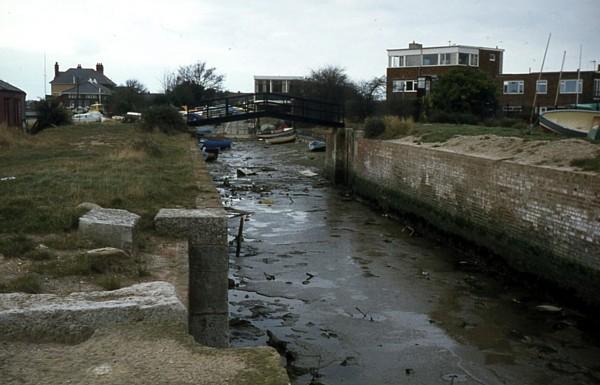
column 144, row 40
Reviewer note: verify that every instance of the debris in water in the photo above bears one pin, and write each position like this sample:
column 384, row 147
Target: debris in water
column 269, row 277
column 307, row 280
column 409, row 371
column 308, row 173
column 244, row 172
column 549, row 308
column 454, row 378
column 8, row 178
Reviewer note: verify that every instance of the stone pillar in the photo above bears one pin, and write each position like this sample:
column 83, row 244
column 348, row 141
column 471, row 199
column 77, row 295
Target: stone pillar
column 206, row 231
column 340, row 146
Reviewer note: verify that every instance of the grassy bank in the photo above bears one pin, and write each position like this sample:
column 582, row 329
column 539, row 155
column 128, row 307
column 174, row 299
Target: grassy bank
column 113, row 165
column 46, row 176
column 441, row 132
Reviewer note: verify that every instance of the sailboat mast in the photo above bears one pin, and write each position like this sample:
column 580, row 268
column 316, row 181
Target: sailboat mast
column 539, row 78
column 562, row 66
column 578, row 77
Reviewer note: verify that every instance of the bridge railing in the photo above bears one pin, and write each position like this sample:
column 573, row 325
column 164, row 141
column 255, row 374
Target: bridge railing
column 277, row 105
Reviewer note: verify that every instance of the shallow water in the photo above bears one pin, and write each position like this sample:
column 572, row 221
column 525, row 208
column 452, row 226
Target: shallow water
column 350, row 297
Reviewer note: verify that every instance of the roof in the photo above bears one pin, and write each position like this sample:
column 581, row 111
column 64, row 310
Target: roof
column 84, row 74
column 259, row 77
column 88, row 88
column 4, row 86
column 448, row 46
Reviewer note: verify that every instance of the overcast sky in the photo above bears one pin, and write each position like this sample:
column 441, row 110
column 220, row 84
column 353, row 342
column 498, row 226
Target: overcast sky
column 143, row 39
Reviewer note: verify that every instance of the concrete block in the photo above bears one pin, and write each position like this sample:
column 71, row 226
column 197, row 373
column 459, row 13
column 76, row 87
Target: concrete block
column 203, row 226
column 208, row 292
column 110, row 227
column 208, row 258
column 210, row 329
column 52, row 317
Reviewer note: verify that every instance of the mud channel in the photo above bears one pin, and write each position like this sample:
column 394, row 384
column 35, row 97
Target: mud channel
column 349, row 296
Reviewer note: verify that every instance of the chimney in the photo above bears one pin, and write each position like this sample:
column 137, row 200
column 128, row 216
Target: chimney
column 598, row 68
column 414, row 45
column 100, row 68
column 56, row 71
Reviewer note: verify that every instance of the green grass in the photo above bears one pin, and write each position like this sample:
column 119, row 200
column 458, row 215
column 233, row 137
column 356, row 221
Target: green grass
column 14, row 246
column 441, row 132
column 29, row 283
column 114, row 165
column 587, row 164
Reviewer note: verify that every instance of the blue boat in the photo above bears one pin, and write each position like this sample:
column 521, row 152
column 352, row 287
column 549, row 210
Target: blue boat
column 220, row 144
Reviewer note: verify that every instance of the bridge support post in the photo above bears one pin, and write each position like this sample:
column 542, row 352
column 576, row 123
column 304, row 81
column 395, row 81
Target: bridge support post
column 206, row 231
column 340, row 152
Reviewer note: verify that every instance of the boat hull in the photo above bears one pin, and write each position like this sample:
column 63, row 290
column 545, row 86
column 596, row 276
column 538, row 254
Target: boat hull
column 276, row 134
column 573, row 123
column 281, row 139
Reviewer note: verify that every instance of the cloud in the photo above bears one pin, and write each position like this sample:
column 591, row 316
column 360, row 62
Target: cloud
column 142, row 40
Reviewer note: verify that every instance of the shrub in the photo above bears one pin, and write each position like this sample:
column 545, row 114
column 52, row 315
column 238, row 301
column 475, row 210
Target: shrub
column 164, row 118
column 396, row 127
column 50, row 113
column 440, row 116
column 29, row 283
column 16, row 246
column 109, row 282
column 374, row 126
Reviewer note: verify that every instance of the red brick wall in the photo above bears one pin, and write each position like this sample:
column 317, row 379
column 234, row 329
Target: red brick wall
column 554, row 212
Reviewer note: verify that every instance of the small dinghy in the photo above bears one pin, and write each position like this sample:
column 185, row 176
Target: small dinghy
column 220, row 144
column 574, row 123
column 316, row 145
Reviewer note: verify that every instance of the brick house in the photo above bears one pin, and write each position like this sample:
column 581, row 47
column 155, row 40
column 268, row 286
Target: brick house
column 81, row 87
column 12, row 105
column 413, row 71
column 409, row 66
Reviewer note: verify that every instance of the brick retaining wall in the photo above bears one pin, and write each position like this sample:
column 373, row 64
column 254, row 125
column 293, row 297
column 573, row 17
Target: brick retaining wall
column 542, row 220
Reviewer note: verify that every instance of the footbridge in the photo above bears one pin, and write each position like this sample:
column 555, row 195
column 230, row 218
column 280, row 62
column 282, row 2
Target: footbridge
column 258, row 105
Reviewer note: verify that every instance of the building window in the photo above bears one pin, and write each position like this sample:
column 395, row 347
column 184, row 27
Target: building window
column 430, row 59
column 413, row 60
column 570, row 86
column 514, row 87
column 463, row 58
column 596, row 88
column 474, row 60
column 445, row 58
column 404, row 86
column 541, row 86
column 492, row 57
column 396, row 61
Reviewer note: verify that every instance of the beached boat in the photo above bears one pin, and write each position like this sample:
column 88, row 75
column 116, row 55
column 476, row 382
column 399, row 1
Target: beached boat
column 221, row 144
column 316, row 145
column 575, row 123
column 285, row 132
column 210, row 155
column 282, row 139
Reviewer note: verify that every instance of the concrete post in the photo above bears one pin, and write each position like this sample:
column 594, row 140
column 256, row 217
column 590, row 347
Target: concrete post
column 340, row 146
column 206, row 231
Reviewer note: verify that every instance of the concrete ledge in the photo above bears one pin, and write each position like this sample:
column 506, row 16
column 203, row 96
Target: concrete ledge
column 110, row 227
column 52, row 317
column 206, row 226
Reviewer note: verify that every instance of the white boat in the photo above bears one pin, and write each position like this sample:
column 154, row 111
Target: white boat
column 576, row 123
column 282, row 139
column 88, row 117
